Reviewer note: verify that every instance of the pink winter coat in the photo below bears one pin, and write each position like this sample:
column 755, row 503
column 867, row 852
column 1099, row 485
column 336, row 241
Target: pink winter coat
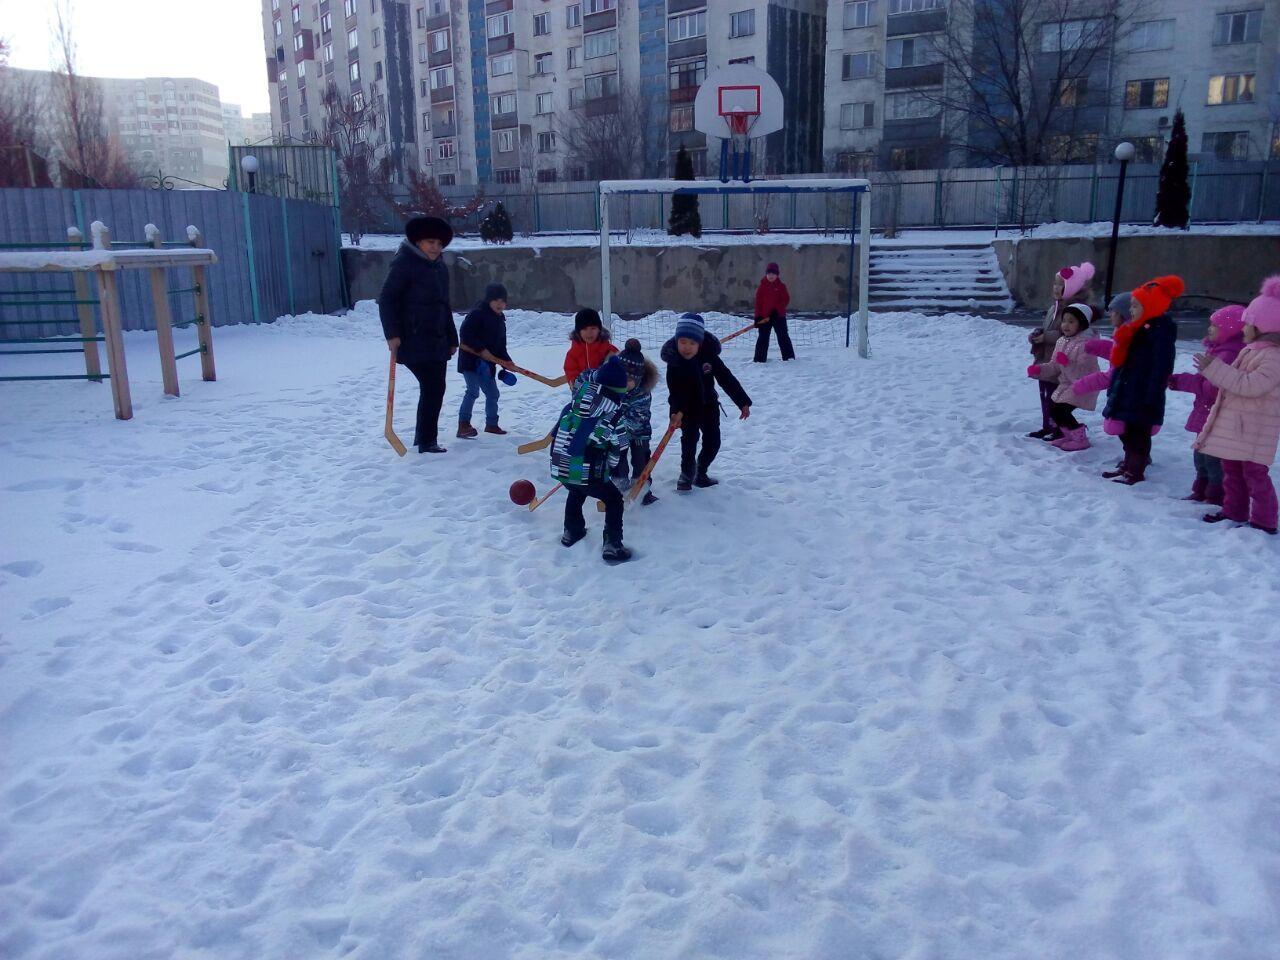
column 1204, row 391
column 1080, row 363
column 1244, row 423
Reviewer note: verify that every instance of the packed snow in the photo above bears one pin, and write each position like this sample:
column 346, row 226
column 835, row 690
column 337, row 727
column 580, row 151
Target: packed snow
column 905, row 685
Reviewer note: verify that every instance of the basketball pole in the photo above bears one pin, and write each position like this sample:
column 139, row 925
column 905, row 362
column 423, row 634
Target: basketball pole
column 606, row 301
column 864, row 272
column 724, row 161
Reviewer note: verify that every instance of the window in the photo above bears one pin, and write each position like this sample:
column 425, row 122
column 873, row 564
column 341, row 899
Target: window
column 441, row 77
column 445, row 150
column 542, row 65
column 575, row 58
column 600, row 44
column 357, row 101
column 373, row 6
column 857, row 65
column 601, row 85
column 599, row 6
column 349, row 7
column 275, row 4
column 438, row 41
column 1073, row 148
column 1237, row 27
column 297, row 14
column 426, row 120
column 1072, row 35
column 1146, row 94
column 540, row 25
column 501, row 66
column 742, row 24
column 1231, row 88
column 507, row 176
column 543, row 104
column 279, row 28
column 861, row 13
column 353, row 70
column 448, row 118
column 914, row 6
column 1147, row 149
column 422, row 17
column 424, row 89
column 377, row 38
column 1070, row 92
column 299, row 42
column 909, row 106
column 505, row 141
column 1227, row 146
column 681, row 119
column 328, row 53
column 688, row 75
column 547, row 142
column 326, row 22
column 910, row 52
column 353, row 39
column 546, row 176
column 573, row 15
column 857, row 116
column 1151, row 35
column 686, row 26
column 499, row 26
column 576, row 96
column 422, row 53
column 910, row 158
column 447, row 179
column 377, row 70
column 504, row 103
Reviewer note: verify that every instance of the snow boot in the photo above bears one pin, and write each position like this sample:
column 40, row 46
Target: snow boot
column 1040, row 434
column 684, row 484
column 1199, row 490
column 1113, row 474
column 570, row 537
column 1216, row 517
column 494, row 428
column 466, row 431
column 1214, row 494
column 1052, row 436
column 1073, row 440
column 432, row 448
column 649, row 499
column 614, row 551
column 702, row 480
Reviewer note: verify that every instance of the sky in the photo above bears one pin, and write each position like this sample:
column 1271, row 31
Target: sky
column 219, row 41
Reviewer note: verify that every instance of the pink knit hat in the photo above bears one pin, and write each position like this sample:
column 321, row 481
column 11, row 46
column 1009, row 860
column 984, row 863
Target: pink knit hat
column 1075, row 279
column 1264, row 311
column 1230, row 322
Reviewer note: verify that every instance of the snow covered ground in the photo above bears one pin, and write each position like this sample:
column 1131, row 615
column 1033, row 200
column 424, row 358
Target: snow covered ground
column 905, row 685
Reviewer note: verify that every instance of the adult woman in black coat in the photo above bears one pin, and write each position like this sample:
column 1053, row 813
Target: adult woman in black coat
column 418, row 322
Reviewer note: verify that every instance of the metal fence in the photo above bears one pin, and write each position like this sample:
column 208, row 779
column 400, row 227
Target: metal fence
column 275, row 256
column 974, row 197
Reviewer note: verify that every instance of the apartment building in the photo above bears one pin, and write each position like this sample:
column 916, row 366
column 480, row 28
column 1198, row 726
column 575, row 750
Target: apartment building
column 1214, row 59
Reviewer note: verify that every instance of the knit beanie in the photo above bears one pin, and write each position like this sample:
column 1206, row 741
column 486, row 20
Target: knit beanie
column 428, row 228
column 1082, row 312
column 1075, row 279
column 692, row 327
column 1157, row 296
column 772, row 268
column 612, row 374
column 1230, row 322
column 632, row 359
column 1120, row 304
column 1264, row 311
column 494, row 291
column 586, row 317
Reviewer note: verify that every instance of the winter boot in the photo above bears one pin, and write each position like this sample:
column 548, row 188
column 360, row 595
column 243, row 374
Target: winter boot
column 1053, row 435
column 614, row 551
column 570, row 537
column 432, row 448
column 1199, row 490
column 1040, row 434
column 1215, row 517
column 1077, row 439
column 1113, row 474
column 1135, row 471
column 684, row 484
column 1213, row 493
column 702, row 480
column 466, row 431
column 1258, row 526
column 494, row 428
column 649, row 499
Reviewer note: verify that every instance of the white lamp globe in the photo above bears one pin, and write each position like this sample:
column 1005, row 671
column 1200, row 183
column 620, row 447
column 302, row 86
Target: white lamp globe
column 249, row 163
column 1124, row 151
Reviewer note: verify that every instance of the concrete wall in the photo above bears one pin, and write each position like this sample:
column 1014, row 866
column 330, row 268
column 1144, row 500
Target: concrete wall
column 1226, row 267
column 645, row 279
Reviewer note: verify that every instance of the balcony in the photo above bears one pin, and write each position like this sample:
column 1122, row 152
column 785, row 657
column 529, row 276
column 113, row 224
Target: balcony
column 693, row 47
column 444, row 131
column 682, row 94
column 502, row 44
column 927, row 21
column 899, row 78
column 441, row 58
column 438, row 22
column 603, row 20
column 504, row 121
column 680, row 6
column 442, row 94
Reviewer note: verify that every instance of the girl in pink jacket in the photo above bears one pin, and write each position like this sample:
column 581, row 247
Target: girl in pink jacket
column 1071, row 361
column 1224, row 342
column 1243, row 427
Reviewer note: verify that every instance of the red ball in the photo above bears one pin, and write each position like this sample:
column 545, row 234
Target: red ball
column 522, row 493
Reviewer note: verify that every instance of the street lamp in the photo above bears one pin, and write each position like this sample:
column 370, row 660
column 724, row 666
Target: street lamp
column 1124, row 153
column 249, row 164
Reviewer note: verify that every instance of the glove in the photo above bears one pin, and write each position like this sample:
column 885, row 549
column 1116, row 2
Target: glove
column 1033, row 370
column 1061, row 359
column 1098, row 347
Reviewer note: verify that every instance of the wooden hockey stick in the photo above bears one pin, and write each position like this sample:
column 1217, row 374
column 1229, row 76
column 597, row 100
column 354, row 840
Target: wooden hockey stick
column 638, row 487
column 534, row 505
column 533, row 445
column 558, row 381
column 738, row 333
column 389, row 432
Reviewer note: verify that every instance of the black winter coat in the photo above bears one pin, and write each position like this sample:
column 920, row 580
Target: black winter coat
column 483, row 329
column 414, row 306
column 1137, row 390
column 692, row 383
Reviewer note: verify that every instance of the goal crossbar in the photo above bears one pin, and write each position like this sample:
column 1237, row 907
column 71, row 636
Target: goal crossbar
column 859, row 240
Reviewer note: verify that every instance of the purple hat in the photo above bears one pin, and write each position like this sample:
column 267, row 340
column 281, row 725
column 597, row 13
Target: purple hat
column 772, row 268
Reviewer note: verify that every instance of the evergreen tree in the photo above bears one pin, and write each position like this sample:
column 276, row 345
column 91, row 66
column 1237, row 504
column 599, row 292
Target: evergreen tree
column 1173, row 199
column 684, row 206
column 496, row 226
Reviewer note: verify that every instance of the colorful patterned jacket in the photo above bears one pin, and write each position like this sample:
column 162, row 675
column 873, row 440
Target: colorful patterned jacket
column 637, row 406
column 590, row 435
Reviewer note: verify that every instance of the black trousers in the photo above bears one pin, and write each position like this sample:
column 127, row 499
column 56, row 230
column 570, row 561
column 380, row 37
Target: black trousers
column 1136, row 440
column 708, row 425
column 784, row 339
column 1064, row 415
column 600, row 490
column 639, row 460
column 430, row 375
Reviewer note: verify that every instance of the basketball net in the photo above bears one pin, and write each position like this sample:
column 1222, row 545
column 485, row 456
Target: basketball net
column 740, row 123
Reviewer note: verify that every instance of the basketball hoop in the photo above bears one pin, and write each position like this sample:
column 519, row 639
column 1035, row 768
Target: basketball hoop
column 741, row 121
column 737, row 104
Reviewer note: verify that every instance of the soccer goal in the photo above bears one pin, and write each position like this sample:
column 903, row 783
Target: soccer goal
column 859, row 238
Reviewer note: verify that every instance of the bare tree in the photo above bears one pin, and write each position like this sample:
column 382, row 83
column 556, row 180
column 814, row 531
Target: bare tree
column 90, row 151
column 354, row 129
column 22, row 163
column 612, row 137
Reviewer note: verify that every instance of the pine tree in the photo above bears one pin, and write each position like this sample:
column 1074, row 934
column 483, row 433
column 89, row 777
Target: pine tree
column 1173, row 199
column 496, row 226
column 684, row 206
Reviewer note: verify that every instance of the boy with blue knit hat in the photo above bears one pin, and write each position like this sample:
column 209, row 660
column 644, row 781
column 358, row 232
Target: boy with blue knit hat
column 589, row 438
column 694, row 368
column 484, row 348
column 637, row 409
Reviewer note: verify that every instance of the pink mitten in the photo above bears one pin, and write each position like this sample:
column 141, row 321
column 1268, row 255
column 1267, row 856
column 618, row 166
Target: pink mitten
column 1033, row 370
column 1098, row 347
column 1061, row 359
column 1092, row 383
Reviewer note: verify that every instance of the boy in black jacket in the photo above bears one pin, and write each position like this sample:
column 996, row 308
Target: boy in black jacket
column 693, row 369
column 484, row 349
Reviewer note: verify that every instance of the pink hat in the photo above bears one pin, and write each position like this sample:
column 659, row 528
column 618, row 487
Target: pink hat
column 1264, row 311
column 1229, row 320
column 1075, row 279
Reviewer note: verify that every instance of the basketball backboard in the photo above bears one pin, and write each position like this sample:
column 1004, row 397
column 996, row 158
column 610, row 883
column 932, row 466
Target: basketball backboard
column 742, row 90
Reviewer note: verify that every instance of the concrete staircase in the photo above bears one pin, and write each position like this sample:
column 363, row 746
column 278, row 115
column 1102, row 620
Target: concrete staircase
column 937, row 278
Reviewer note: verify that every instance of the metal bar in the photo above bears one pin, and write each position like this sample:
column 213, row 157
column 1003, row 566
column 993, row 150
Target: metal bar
column 56, row 244
column 189, row 353
column 56, row 340
column 23, row 293
column 23, row 353
column 864, row 277
column 46, row 303
column 65, row 376
column 253, row 267
column 184, row 290
column 35, row 323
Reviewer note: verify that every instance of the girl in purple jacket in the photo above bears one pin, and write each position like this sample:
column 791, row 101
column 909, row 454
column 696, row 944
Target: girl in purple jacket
column 1224, row 342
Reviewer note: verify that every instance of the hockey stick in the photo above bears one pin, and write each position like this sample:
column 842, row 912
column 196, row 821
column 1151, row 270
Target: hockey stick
column 638, row 487
column 738, row 333
column 534, row 505
column 389, row 432
column 558, row 381
column 533, row 445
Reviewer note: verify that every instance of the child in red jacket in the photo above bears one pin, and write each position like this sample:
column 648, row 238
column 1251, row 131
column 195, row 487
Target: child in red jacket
column 590, row 347
column 771, row 314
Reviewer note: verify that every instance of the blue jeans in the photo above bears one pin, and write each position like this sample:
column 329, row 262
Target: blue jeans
column 480, row 381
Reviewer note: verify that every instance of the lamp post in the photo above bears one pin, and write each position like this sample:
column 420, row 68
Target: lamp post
column 1124, row 153
column 249, row 164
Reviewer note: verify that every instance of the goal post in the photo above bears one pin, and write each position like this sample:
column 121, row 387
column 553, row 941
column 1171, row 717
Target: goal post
column 859, row 232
